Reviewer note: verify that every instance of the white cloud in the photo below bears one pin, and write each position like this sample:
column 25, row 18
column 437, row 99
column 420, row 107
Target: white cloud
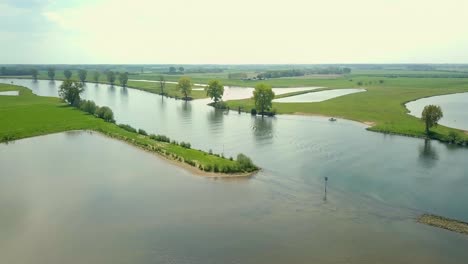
column 247, row 31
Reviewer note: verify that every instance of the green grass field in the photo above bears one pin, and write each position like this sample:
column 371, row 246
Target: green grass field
column 28, row 115
column 382, row 105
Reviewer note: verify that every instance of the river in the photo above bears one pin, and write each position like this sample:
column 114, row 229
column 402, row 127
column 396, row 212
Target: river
column 120, row 204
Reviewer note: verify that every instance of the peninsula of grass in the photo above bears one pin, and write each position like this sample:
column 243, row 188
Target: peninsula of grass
column 445, row 223
column 28, row 115
column 382, row 106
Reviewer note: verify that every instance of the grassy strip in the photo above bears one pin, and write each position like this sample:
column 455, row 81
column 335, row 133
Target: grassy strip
column 28, row 115
column 382, row 105
column 445, row 223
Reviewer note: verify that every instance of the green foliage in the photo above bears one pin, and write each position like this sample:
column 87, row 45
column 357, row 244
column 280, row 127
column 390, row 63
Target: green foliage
column 253, row 111
column 185, row 144
column 185, row 86
column 96, row 76
column 128, row 128
column 142, row 132
column 110, row 77
column 68, row 74
column 88, row 106
column 160, row 138
column 263, row 97
column 431, row 114
column 51, row 73
column 181, row 69
column 105, row 113
column 34, row 73
column 245, row 163
column 70, row 92
column 172, row 69
column 123, row 79
column 162, row 83
column 215, row 90
column 82, row 74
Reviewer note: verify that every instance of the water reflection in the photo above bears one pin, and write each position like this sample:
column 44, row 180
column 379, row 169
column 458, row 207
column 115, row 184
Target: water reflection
column 216, row 116
column 186, row 111
column 427, row 154
column 263, row 128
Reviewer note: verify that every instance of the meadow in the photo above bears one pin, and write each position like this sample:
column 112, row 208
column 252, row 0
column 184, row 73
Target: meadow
column 28, row 115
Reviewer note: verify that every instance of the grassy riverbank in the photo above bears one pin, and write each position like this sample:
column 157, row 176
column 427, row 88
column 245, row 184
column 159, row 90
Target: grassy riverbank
column 445, row 223
column 382, row 105
column 28, row 115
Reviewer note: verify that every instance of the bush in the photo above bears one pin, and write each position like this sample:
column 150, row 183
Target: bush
column 210, row 152
column 215, row 168
column 128, row 128
column 453, row 137
column 160, row 138
column 185, row 145
column 105, row 113
column 174, row 142
column 88, row 106
column 253, row 111
column 245, row 162
column 142, row 132
column 207, row 168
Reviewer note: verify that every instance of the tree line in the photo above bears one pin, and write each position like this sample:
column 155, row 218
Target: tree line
column 297, row 72
column 111, row 76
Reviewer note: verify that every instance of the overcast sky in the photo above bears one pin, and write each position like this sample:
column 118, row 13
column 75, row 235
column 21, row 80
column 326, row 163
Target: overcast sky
column 233, row 31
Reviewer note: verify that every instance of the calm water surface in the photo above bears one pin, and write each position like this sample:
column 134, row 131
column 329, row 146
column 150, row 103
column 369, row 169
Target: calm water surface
column 318, row 96
column 454, row 106
column 10, row 93
column 127, row 206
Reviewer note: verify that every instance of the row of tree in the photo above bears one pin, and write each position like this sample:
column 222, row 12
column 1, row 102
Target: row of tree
column 83, row 74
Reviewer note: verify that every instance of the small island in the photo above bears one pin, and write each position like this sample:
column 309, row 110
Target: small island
column 445, row 223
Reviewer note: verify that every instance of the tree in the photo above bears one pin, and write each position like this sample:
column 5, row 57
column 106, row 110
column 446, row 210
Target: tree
column 215, row 90
column 82, row 74
column 34, row 74
column 172, row 69
column 185, row 86
column 51, row 73
column 263, row 97
column 431, row 114
column 181, row 69
column 68, row 74
column 111, row 77
column 123, row 79
column 162, row 83
column 96, row 75
column 70, row 92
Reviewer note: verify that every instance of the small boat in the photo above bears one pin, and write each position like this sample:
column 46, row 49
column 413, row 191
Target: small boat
column 332, row 119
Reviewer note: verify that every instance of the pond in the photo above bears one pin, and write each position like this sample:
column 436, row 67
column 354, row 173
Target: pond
column 317, row 96
column 454, row 107
column 128, row 205
column 10, row 93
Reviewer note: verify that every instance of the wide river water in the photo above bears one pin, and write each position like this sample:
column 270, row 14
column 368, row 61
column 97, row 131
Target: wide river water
column 78, row 197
